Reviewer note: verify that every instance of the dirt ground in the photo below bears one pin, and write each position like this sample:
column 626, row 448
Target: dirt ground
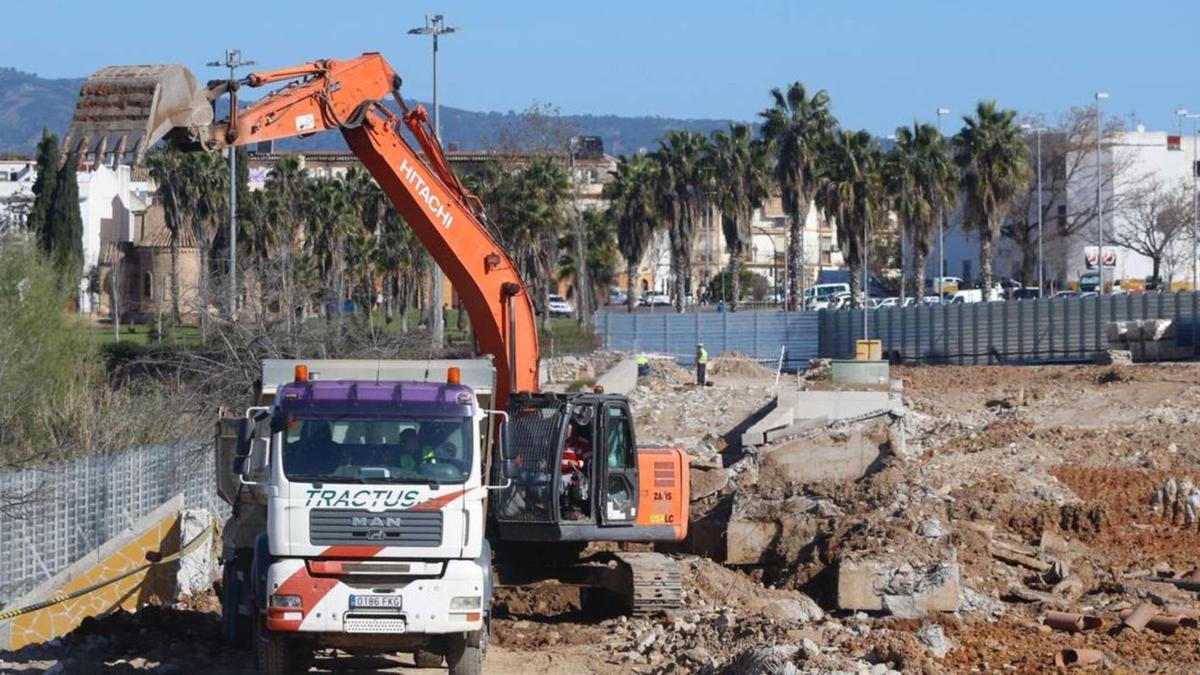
column 1052, row 488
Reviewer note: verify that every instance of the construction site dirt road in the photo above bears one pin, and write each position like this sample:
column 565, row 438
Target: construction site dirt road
column 1018, row 491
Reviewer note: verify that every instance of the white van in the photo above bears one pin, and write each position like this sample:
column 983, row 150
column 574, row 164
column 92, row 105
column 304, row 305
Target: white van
column 819, row 296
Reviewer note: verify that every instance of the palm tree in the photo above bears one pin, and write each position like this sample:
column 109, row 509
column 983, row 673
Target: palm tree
column 993, row 161
column 164, row 162
column 331, row 223
column 798, row 127
column 742, row 179
column 683, row 178
column 921, row 179
column 527, row 215
column 600, row 250
column 631, row 205
column 851, row 190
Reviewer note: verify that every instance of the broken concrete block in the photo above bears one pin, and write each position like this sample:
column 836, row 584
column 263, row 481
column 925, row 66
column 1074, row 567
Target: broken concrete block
column 1117, row 331
column 903, row 590
column 1153, row 330
column 765, row 530
column 847, row 455
column 1113, row 357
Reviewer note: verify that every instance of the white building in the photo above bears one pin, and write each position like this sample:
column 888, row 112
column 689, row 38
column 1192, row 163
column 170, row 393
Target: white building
column 109, row 200
column 1138, row 157
column 16, row 191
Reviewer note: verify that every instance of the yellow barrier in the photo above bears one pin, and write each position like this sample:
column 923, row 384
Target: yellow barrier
column 58, row 615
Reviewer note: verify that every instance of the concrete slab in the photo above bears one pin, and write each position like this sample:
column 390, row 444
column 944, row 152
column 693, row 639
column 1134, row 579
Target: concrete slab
column 849, row 371
column 902, row 589
column 836, row 405
column 848, row 456
column 780, row 414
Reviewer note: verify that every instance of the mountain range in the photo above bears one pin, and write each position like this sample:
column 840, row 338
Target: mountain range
column 29, row 103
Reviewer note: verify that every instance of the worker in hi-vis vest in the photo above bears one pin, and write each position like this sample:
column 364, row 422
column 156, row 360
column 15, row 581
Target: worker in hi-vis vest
column 643, row 365
column 701, row 365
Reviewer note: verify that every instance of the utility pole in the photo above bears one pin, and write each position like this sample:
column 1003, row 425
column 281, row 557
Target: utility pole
column 1183, row 113
column 435, row 26
column 941, row 112
column 583, row 287
column 1037, row 131
column 233, row 61
column 1100, row 96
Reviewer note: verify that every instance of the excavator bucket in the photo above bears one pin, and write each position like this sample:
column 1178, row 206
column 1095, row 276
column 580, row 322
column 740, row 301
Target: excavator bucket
column 123, row 110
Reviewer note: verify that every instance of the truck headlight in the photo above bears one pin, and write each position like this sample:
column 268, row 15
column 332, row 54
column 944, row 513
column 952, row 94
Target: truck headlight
column 288, row 601
column 465, row 602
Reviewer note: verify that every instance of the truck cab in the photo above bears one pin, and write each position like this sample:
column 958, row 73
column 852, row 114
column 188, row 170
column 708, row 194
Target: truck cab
column 359, row 502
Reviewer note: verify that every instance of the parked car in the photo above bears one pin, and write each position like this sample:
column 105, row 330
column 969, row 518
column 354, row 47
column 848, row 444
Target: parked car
column 558, row 306
column 965, row 296
column 886, row 302
column 617, row 298
column 1065, row 294
column 1027, row 293
column 655, row 299
column 949, row 285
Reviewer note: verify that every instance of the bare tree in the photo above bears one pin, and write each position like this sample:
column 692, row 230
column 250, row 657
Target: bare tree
column 1155, row 222
column 1068, row 161
column 114, row 283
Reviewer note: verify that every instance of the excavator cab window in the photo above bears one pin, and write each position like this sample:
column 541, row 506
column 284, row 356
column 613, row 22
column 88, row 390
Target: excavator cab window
column 620, row 480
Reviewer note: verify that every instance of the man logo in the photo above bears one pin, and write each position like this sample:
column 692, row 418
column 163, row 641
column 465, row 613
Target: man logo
column 375, row 521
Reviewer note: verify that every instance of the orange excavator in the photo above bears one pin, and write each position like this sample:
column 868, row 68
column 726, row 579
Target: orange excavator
column 572, row 473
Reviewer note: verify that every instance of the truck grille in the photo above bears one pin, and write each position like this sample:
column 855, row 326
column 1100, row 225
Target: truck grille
column 332, row 527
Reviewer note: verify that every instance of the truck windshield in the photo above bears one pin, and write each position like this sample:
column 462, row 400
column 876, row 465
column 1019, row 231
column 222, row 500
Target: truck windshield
column 375, row 450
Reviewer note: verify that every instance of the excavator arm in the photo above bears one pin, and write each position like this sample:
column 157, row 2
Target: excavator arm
column 124, row 110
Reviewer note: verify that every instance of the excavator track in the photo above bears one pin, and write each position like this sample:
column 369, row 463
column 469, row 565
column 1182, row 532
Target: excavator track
column 655, row 584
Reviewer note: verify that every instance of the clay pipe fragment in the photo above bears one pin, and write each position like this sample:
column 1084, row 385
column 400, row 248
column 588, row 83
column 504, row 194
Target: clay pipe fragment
column 1078, row 658
column 1071, row 622
column 1190, row 615
column 1166, row 624
column 1137, row 618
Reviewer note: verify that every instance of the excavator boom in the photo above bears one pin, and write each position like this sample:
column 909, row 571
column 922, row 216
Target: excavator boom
column 123, row 110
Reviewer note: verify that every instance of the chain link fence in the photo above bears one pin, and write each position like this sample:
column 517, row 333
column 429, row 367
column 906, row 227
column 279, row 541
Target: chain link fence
column 53, row 515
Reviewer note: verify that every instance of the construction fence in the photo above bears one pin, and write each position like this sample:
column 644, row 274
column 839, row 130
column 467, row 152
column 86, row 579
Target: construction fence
column 1050, row 330
column 54, row 515
column 761, row 335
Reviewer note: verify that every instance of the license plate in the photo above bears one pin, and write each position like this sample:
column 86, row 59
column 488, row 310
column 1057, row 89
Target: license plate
column 376, row 601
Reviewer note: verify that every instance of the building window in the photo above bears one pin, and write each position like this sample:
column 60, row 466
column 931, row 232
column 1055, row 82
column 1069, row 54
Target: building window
column 148, row 286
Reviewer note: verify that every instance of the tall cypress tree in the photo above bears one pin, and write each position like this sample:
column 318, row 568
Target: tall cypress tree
column 66, row 222
column 38, row 220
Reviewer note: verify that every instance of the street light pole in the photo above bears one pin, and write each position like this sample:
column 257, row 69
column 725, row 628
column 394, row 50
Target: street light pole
column 435, row 26
column 1100, row 96
column 941, row 112
column 233, row 61
column 1182, row 113
column 1037, row 131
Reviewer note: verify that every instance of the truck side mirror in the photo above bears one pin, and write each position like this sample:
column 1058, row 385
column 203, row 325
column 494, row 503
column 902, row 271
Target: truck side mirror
column 255, row 461
column 245, row 432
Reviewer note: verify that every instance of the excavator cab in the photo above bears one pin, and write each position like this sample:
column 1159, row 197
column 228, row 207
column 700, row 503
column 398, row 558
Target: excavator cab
column 580, row 475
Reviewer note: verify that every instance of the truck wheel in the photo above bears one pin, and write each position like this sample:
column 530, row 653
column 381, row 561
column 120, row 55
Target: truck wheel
column 237, row 628
column 279, row 655
column 464, row 652
column 427, row 659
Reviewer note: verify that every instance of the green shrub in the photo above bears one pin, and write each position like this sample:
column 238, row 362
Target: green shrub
column 48, row 366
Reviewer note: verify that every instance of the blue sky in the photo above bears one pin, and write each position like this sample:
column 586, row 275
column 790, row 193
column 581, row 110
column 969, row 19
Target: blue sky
column 883, row 63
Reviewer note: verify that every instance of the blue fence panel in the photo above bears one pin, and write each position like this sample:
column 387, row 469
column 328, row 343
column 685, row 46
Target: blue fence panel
column 758, row 334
